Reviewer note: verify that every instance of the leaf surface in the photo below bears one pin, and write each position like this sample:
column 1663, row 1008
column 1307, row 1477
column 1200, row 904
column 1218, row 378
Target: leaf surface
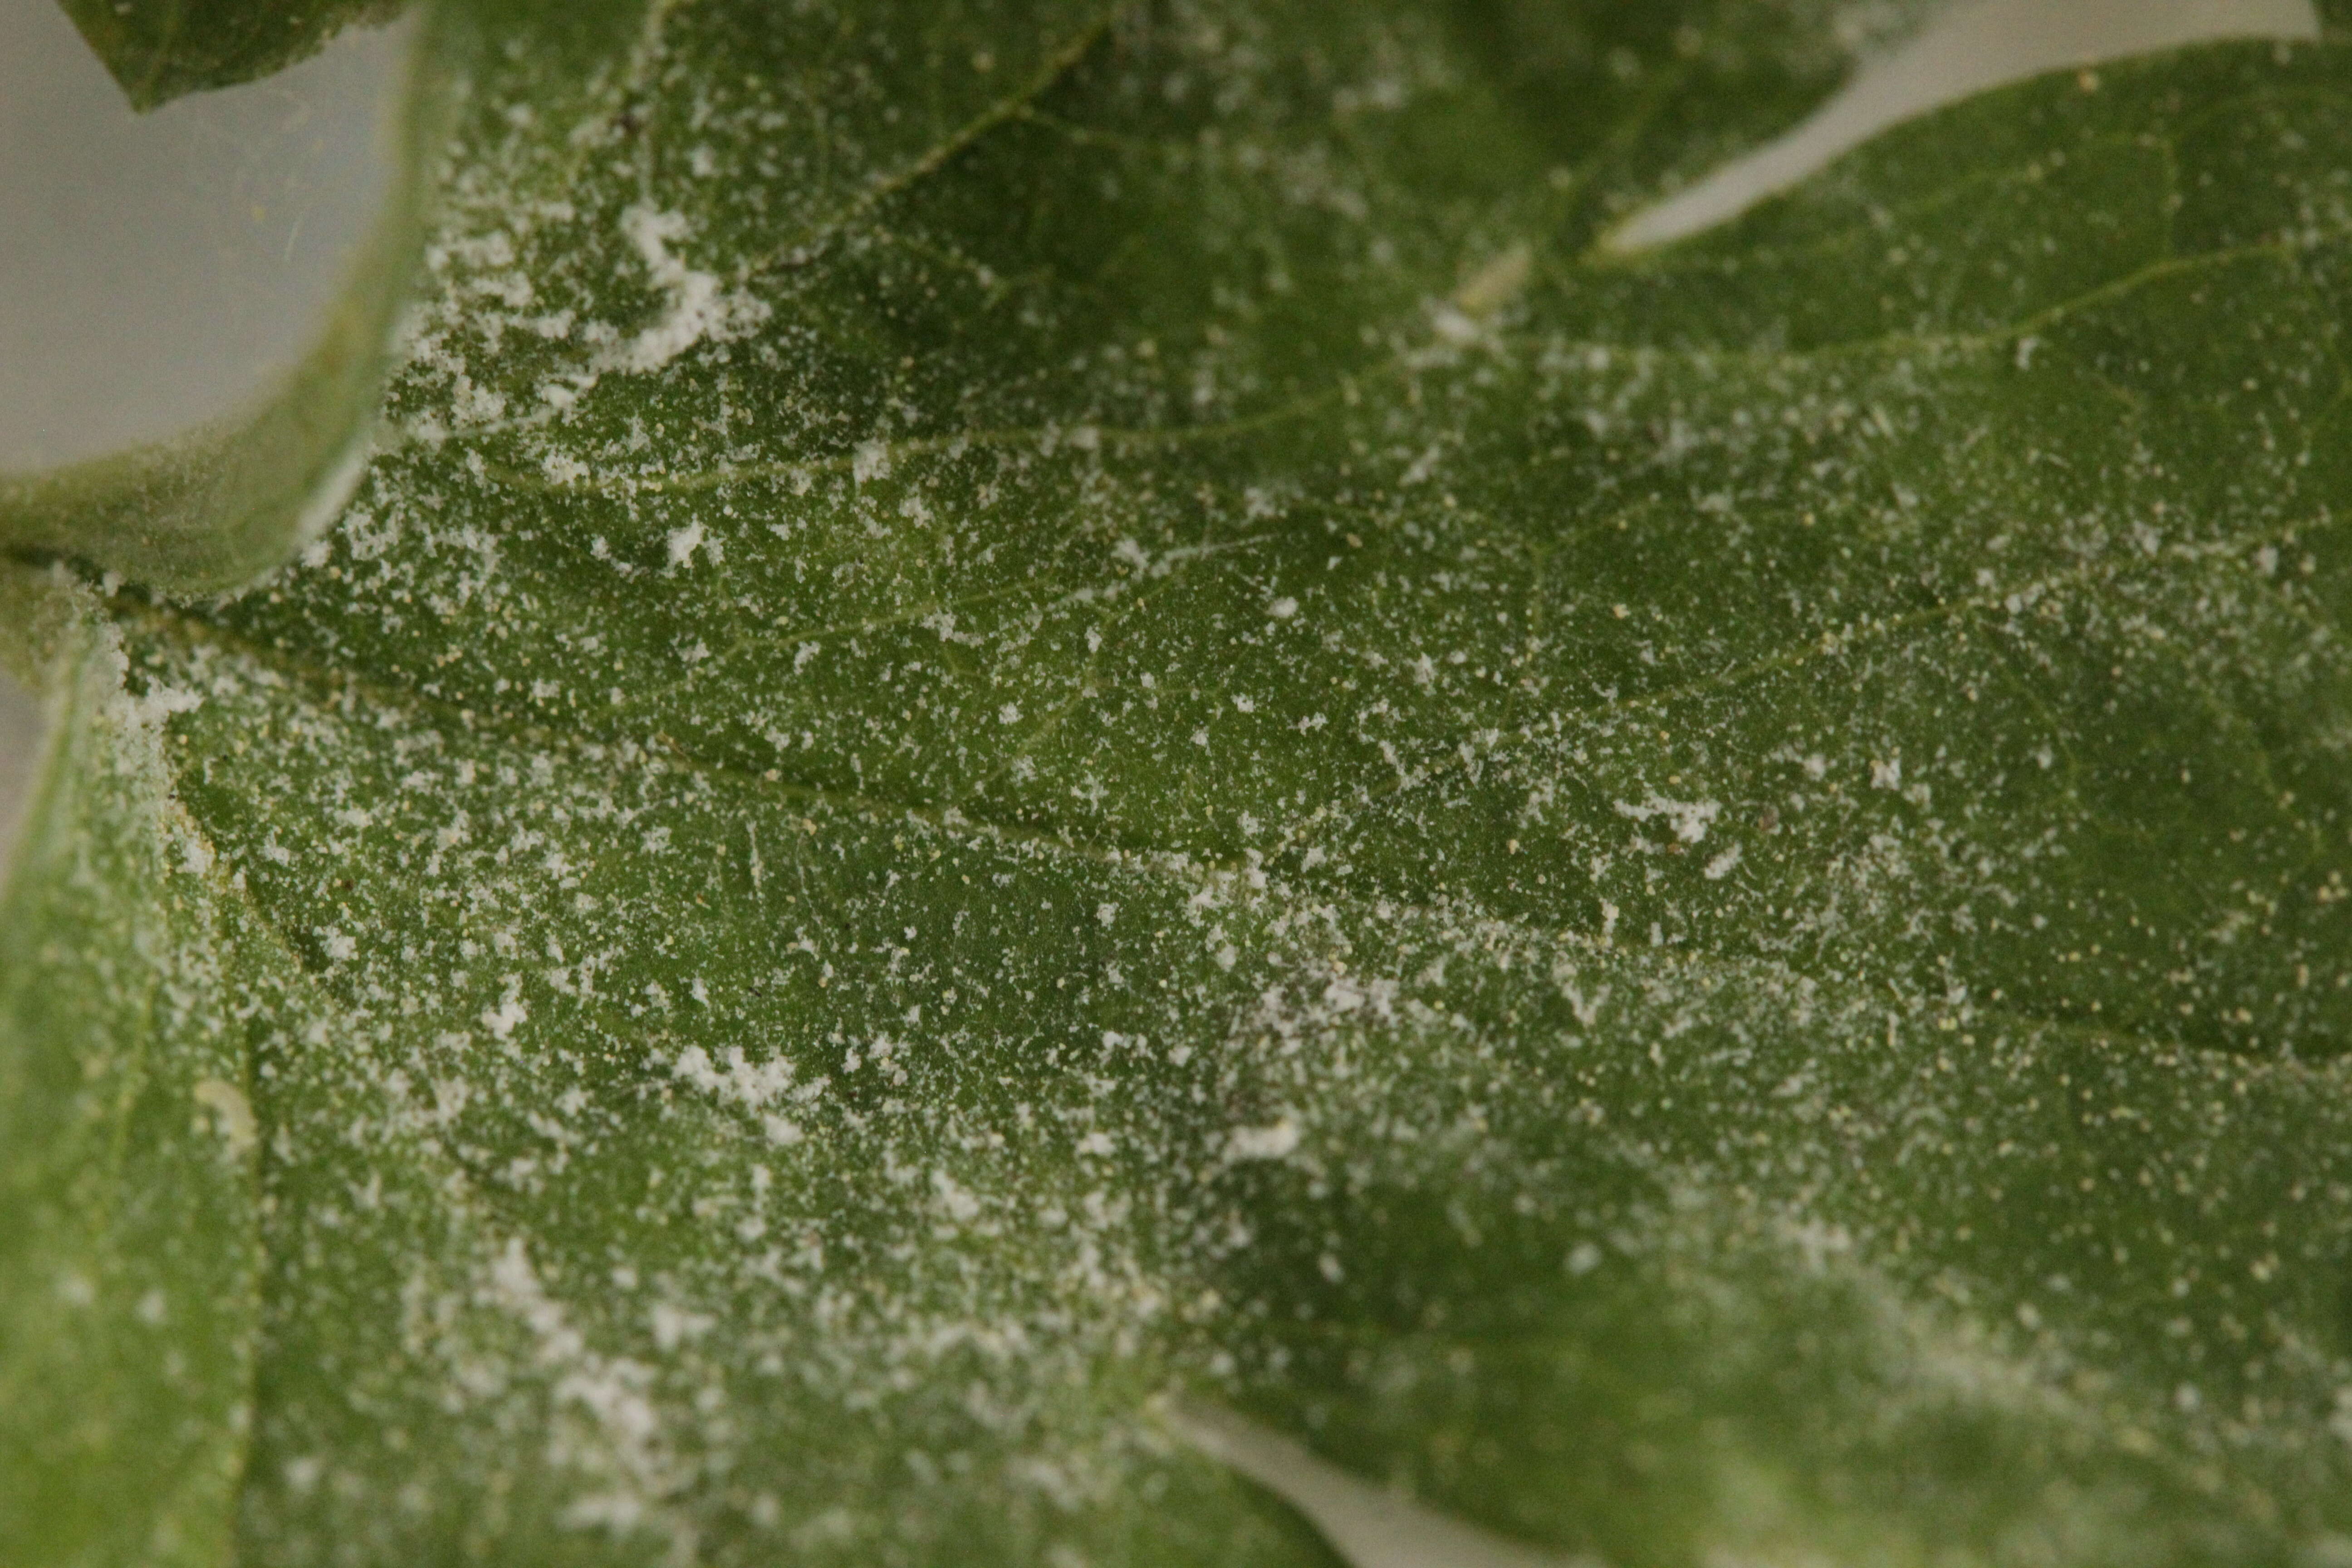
column 1044, row 704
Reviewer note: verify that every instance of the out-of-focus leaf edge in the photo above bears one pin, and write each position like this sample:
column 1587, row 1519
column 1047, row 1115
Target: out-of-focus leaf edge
column 156, row 50
column 211, row 509
column 129, row 1267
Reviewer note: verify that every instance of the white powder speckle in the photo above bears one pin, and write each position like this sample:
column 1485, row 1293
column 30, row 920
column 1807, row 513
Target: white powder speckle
column 231, row 1112
column 1272, row 1142
column 1690, row 818
column 697, row 308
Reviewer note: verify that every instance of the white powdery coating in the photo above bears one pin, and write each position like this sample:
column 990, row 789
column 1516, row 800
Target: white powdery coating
column 1690, row 818
column 751, row 1085
column 621, row 1443
column 1004, row 1248
column 697, row 310
column 232, row 1113
column 1272, row 1142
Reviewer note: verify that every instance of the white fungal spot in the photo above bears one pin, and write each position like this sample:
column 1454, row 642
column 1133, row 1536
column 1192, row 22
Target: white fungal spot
column 1272, row 1142
column 955, row 1200
column 697, row 310
column 1690, row 818
column 502, row 1020
column 735, row 1077
column 232, row 1113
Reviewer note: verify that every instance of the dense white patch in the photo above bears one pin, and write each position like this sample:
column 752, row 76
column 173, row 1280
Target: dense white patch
column 697, row 308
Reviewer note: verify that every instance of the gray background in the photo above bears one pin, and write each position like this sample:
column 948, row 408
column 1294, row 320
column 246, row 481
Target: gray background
column 161, row 269
column 165, row 269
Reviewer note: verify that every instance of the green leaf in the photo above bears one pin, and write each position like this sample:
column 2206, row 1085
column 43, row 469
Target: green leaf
column 129, row 1271
column 163, row 50
column 1043, row 705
